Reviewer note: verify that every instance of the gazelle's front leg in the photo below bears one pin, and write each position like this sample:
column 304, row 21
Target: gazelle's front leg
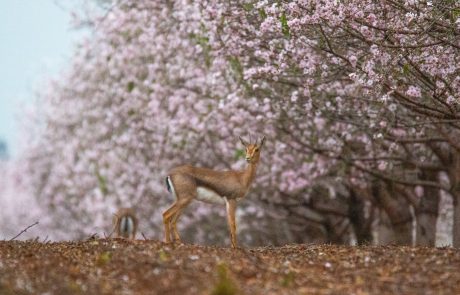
column 231, row 208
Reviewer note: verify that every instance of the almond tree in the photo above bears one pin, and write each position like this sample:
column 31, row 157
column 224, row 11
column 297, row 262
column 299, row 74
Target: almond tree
column 382, row 75
column 363, row 92
column 144, row 94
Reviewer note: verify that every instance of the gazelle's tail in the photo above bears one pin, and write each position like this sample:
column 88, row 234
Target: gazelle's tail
column 168, row 183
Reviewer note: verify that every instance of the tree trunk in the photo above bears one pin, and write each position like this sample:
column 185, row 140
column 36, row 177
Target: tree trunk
column 427, row 213
column 454, row 176
column 385, row 232
column 360, row 220
column 403, row 231
column 456, row 223
column 398, row 210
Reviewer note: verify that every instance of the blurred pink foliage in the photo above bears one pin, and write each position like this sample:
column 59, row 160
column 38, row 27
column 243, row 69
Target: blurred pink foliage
column 332, row 86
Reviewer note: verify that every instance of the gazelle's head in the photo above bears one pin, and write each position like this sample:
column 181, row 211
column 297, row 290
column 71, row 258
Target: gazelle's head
column 253, row 150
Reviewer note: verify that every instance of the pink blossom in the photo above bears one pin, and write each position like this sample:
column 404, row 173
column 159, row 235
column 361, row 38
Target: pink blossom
column 414, row 91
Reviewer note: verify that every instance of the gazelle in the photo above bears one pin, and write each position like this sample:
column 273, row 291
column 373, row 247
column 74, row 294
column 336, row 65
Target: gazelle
column 188, row 183
column 125, row 223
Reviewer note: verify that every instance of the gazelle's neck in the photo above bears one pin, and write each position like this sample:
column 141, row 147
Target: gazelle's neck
column 249, row 173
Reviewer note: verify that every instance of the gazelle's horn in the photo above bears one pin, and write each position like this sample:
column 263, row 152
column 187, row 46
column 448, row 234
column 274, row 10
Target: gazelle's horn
column 242, row 141
column 262, row 141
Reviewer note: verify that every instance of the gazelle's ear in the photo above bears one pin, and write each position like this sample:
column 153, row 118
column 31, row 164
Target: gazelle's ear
column 262, row 142
column 242, row 141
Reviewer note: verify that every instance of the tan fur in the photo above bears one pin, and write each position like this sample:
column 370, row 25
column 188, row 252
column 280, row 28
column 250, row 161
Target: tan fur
column 125, row 212
column 230, row 185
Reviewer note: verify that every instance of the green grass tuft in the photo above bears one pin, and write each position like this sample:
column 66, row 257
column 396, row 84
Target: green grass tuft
column 104, row 258
column 224, row 285
column 288, row 279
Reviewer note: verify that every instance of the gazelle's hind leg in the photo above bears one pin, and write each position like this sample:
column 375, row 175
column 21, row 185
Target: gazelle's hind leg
column 184, row 194
column 175, row 218
column 174, row 226
column 171, row 216
column 167, row 219
column 181, row 205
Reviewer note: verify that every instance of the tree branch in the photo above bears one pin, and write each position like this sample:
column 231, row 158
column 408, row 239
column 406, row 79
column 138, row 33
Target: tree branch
column 23, row 231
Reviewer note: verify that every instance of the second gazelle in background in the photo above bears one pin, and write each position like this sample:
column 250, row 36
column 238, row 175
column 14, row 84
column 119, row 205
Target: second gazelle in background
column 125, row 223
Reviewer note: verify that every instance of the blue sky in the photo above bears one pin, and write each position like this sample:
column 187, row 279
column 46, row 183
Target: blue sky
column 36, row 41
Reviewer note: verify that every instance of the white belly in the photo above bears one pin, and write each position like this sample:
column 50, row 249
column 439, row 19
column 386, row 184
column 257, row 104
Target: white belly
column 209, row 196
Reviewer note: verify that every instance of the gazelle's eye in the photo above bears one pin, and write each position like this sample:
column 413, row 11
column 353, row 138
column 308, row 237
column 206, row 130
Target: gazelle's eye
column 257, row 149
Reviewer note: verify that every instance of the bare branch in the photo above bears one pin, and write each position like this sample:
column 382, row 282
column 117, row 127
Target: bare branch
column 145, row 238
column 23, row 231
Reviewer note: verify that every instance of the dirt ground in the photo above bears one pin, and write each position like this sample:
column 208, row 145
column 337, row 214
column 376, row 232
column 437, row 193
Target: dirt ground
column 116, row 266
